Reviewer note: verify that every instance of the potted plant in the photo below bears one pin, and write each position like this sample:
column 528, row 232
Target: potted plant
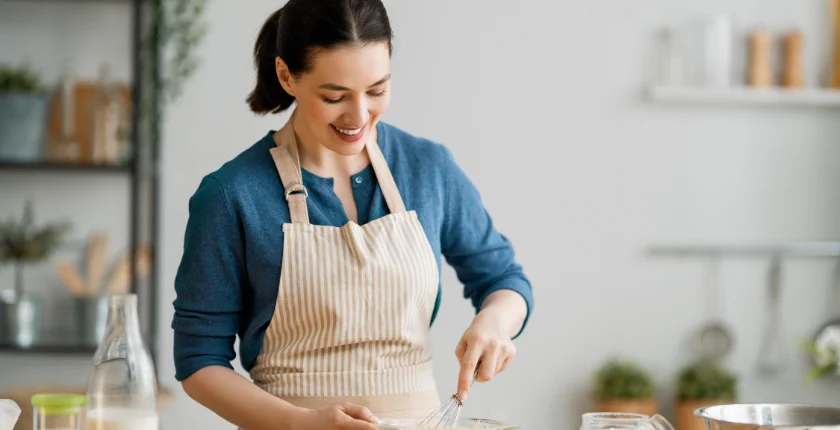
column 700, row 384
column 624, row 386
column 826, row 361
column 23, row 113
column 22, row 243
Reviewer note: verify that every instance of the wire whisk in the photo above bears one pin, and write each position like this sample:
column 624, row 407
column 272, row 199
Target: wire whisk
column 447, row 415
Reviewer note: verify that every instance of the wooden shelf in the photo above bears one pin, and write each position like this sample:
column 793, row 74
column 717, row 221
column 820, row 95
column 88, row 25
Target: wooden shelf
column 816, row 249
column 68, row 349
column 63, row 167
column 746, row 96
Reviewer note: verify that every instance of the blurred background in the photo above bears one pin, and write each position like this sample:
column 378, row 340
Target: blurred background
column 660, row 166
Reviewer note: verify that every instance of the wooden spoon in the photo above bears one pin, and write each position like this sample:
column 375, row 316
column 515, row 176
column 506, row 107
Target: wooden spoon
column 71, row 278
column 97, row 261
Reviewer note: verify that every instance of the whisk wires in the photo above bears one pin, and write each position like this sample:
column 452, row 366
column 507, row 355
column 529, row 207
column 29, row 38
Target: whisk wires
column 447, row 415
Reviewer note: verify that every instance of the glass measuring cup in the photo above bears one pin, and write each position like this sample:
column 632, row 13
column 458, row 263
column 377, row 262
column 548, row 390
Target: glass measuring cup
column 57, row 411
column 624, row 421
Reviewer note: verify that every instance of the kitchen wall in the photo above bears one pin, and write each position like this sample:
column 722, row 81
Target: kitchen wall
column 541, row 102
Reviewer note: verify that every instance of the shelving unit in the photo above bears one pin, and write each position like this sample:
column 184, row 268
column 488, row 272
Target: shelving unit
column 823, row 249
column 48, row 166
column 140, row 171
column 746, row 96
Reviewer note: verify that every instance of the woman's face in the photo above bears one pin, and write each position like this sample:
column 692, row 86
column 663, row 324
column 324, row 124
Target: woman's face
column 342, row 97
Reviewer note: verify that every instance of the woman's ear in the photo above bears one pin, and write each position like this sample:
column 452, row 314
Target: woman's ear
column 283, row 75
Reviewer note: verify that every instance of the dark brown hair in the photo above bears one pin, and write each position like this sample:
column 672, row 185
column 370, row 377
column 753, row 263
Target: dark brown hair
column 301, row 27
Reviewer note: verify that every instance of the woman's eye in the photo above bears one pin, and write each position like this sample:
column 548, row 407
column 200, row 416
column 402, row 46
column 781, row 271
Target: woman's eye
column 340, row 99
column 332, row 101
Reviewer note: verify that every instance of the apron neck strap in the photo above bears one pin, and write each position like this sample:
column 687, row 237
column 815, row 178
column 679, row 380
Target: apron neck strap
column 384, row 177
column 287, row 162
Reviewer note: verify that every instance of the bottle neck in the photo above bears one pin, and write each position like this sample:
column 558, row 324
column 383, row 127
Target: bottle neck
column 123, row 315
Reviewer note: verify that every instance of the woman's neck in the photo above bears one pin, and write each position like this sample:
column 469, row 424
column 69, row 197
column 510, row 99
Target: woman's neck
column 319, row 160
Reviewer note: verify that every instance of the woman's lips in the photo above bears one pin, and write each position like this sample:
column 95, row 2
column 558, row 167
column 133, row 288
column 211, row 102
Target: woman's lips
column 350, row 135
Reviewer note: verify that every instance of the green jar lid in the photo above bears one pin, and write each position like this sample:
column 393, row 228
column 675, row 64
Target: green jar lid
column 58, row 404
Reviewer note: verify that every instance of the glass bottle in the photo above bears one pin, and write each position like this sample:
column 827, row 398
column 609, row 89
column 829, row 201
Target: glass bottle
column 57, row 411
column 107, row 117
column 122, row 388
column 624, row 421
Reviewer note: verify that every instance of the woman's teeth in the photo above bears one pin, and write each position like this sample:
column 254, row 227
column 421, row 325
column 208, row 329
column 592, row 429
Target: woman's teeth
column 348, row 131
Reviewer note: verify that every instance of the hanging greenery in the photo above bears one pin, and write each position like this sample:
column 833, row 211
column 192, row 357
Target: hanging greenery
column 180, row 31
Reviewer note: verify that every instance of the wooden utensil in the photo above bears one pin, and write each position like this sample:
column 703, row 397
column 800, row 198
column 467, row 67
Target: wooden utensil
column 760, row 69
column 71, row 278
column 792, row 74
column 834, row 78
column 97, row 261
column 121, row 276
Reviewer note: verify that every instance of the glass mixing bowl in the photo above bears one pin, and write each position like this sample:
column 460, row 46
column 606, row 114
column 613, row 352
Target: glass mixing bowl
column 463, row 424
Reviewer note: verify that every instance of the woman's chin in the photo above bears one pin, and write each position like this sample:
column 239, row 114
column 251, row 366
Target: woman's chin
column 347, row 149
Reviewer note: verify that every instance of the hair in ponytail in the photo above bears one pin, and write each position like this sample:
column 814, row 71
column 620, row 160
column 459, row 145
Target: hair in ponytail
column 301, row 27
column 268, row 96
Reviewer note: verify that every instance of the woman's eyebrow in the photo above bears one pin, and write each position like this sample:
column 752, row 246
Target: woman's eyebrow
column 336, row 87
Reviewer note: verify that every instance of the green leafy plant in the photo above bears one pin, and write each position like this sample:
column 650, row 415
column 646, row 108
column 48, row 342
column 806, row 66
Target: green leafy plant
column 826, row 360
column 706, row 380
column 22, row 241
column 623, row 379
column 20, row 79
column 180, row 31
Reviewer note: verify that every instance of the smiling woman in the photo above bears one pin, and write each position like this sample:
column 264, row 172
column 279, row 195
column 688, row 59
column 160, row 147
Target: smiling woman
column 330, row 275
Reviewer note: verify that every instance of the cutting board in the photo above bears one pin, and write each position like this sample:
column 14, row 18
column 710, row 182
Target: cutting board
column 83, row 124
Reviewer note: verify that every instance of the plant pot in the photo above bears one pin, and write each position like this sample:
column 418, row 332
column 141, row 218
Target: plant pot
column 634, row 406
column 23, row 124
column 686, row 420
column 19, row 321
column 91, row 317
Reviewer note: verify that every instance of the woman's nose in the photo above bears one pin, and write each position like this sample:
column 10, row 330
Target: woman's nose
column 359, row 114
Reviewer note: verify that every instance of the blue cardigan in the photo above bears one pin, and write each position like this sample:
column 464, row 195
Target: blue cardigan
column 229, row 274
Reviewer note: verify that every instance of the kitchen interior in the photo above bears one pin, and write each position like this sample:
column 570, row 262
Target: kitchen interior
column 675, row 200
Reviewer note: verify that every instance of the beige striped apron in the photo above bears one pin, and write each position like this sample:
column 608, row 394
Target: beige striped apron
column 352, row 317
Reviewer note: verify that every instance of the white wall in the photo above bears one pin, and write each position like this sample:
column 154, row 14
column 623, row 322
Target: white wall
column 551, row 94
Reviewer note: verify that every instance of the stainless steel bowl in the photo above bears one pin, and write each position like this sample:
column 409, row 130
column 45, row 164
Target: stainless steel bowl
column 752, row 416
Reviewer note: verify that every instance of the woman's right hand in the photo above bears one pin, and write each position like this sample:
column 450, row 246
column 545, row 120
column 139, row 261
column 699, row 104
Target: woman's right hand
column 344, row 416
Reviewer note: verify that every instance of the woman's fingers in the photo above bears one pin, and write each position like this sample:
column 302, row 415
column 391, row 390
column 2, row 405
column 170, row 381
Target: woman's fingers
column 469, row 361
column 359, row 412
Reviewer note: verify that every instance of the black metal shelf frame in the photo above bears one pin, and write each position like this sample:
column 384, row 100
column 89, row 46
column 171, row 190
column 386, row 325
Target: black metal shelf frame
column 141, row 170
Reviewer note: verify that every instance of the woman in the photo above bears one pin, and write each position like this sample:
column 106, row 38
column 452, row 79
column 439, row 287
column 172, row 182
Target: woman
column 320, row 245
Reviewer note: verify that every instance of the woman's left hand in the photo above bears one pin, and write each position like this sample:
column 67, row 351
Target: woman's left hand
column 487, row 342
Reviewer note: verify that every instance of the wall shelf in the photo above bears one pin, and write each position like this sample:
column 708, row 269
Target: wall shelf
column 746, row 96
column 825, row 249
column 66, row 349
column 63, row 167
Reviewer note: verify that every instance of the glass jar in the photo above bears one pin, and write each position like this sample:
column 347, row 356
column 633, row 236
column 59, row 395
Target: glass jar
column 624, row 421
column 122, row 388
column 57, row 411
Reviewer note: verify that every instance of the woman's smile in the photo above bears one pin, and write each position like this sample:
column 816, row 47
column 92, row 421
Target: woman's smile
column 350, row 135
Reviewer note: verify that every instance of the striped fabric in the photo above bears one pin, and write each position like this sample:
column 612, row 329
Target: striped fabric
column 354, row 303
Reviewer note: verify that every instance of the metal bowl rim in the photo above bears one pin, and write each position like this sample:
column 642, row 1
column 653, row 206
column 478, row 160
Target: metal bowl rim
column 698, row 411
